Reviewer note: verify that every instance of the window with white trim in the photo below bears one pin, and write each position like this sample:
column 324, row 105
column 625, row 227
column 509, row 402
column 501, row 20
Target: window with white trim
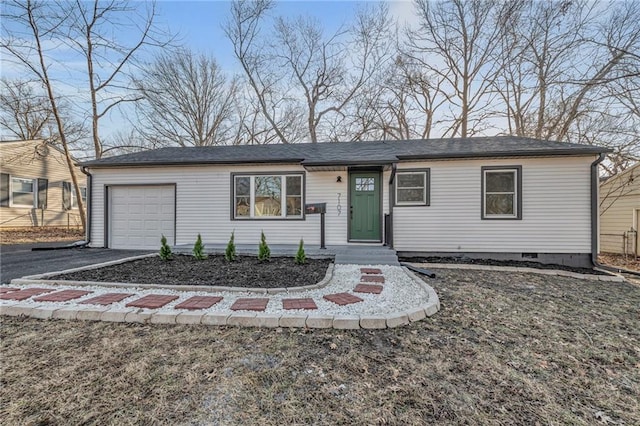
column 267, row 196
column 412, row 188
column 501, row 198
column 23, row 192
column 74, row 197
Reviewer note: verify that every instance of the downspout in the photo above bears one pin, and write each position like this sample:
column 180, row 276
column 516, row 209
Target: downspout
column 83, row 169
column 392, row 201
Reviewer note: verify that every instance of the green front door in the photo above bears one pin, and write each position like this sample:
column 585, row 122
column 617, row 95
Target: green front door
column 364, row 211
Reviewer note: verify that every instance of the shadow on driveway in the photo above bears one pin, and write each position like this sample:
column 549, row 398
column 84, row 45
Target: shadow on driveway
column 18, row 260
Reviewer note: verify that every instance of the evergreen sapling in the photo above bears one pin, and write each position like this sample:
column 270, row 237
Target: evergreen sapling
column 230, row 252
column 165, row 250
column 301, row 257
column 198, row 249
column 264, row 253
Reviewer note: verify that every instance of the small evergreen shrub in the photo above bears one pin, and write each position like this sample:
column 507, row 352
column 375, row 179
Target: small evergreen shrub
column 230, row 252
column 301, row 257
column 264, row 253
column 198, row 249
column 165, row 250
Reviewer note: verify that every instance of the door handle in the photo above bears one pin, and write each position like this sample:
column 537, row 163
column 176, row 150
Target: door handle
column 351, row 212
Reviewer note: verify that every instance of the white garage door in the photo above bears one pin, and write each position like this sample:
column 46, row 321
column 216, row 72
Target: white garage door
column 140, row 215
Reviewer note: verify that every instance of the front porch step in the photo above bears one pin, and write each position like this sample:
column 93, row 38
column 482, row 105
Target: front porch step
column 366, row 260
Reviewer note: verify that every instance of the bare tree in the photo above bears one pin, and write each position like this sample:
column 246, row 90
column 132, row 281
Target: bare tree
column 26, row 114
column 456, row 43
column 35, row 18
column 243, row 30
column 568, row 72
column 95, row 30
column 299, row 74
column 194, row 98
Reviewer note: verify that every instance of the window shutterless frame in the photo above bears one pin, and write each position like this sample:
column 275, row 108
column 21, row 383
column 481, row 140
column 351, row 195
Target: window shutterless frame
column 251, row 202
column 516, row 192
column 426, row 188
column 74, row 197
column 16, row 188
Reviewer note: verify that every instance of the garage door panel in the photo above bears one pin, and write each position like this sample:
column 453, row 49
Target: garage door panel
column 140, row 215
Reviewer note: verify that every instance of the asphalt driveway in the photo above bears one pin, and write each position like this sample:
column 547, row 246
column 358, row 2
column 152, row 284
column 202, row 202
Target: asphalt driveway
column 19, row 260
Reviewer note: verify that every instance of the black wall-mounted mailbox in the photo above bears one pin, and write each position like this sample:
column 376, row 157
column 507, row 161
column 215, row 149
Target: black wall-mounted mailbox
column 315, row 208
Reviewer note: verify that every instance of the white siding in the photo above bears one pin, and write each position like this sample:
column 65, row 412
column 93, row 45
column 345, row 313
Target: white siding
column 556, row 207
column 19, row 159
column 555, row 203
column 619, row 206
column 203, row 204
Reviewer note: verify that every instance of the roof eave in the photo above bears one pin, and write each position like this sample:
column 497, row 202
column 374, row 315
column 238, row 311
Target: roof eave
column 532, row 153
column 96, row 164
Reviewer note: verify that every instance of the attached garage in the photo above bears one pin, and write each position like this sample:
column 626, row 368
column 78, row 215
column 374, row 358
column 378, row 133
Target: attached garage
column 138, row 216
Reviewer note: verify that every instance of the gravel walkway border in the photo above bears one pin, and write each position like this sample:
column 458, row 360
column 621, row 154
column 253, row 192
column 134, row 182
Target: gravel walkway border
column 404, row 299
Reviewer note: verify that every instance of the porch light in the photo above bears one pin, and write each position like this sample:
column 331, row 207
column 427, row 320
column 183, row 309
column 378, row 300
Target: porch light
column 339, row 179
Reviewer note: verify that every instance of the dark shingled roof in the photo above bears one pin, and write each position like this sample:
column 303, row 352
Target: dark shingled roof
column 350, row 153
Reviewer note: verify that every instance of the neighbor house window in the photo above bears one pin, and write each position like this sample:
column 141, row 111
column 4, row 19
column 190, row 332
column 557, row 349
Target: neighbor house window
column 501, row 192
column 23, row 192
column 412, row 188
column 74, row 197
column 267, row 196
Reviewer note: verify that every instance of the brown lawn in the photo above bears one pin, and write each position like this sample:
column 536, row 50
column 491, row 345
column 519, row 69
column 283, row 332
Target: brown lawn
column 506, row 348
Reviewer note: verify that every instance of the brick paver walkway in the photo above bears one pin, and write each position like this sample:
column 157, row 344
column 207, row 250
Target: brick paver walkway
column 62, row 296
column 107, row 299
column 342, row 298
column 372, row 279
column 368, row 288
column 152, row 301
column 370, row 283
column 250, row 304
column 199, row 302
column 24, row 294
column 371, row 271
column 305, row 303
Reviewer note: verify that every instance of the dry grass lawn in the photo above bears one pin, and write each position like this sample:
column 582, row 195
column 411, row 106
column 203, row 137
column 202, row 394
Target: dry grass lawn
column 504, row 349
column 35, row 234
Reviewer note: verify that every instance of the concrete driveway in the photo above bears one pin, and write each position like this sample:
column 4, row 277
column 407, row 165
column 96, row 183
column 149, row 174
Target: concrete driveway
column 19, row 260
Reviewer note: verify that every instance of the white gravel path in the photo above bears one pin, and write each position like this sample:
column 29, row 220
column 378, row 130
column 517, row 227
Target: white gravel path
column 401, row 292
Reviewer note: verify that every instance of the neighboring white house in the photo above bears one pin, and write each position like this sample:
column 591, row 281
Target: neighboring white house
column 498, row 197
column 35, row 186
column 620, row 213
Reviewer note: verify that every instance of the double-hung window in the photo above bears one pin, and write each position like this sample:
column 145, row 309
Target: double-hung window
column 267, row 196
column 23, row 192
column 74, row 197
column 502, row 192
column 412, row 188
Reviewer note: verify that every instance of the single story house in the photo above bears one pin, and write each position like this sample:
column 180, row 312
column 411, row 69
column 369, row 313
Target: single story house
column 500, row 197
column 620, row 212
column 35, row 186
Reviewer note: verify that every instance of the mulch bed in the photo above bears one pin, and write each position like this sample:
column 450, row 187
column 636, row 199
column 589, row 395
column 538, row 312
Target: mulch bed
column 490, row 262
column 245, row 271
